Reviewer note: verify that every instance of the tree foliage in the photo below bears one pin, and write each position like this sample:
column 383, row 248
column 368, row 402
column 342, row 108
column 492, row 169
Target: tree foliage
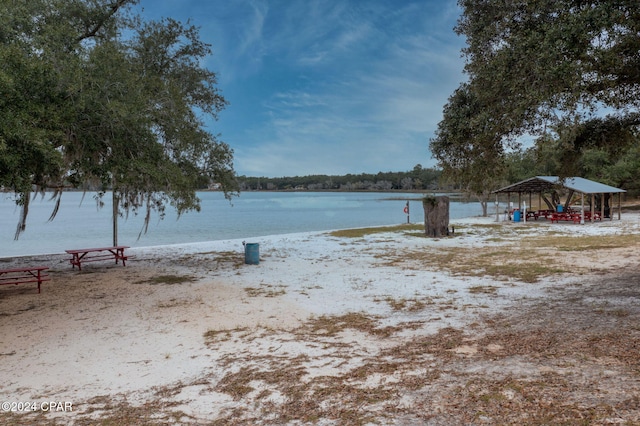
column 532, row 62
column 470, row 156
column 93, row 95
column 547, row 68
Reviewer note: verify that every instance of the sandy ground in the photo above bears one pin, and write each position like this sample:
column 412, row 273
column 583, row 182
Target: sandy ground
column 386, row 328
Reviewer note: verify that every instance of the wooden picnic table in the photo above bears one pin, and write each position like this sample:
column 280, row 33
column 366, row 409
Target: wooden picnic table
column 95, row 254
column 545, row 212
column 596, row 216
column 26, row 274
column 532, row 214
column 557, row 217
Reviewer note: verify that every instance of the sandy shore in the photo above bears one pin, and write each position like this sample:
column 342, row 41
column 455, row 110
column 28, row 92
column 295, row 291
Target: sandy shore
column 385, row 328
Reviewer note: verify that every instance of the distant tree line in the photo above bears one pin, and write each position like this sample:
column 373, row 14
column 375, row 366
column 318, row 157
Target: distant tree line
column 417, row 179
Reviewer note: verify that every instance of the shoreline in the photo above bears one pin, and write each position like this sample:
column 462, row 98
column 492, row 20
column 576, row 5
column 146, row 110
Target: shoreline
column 256, row 214
column 222, row 240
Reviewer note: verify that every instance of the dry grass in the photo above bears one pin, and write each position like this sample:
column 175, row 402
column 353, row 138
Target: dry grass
column 362, row 232
column 217, row 336
column 265, row 290
column 168, row 279
column 333, row 325
column 409, row 305
column 483, row 289
column 500, row 263
column 527, row 260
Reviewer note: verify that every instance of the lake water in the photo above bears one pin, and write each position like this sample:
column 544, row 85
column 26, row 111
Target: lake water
column 80, row 224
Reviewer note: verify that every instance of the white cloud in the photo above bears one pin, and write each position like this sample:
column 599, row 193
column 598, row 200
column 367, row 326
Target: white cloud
column 332, row 86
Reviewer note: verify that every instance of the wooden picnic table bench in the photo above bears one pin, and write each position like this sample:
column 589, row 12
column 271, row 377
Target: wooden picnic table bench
column 596, row 216
column 532, row 214
column 545, row 212
column 95, row 254
column 557, row 217
column 26, row 274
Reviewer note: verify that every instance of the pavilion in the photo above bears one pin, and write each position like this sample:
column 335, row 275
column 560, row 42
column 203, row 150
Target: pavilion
column 547, row 184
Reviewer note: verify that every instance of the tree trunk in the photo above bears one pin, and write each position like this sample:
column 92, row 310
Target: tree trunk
column 436, row 216
column 116, row 201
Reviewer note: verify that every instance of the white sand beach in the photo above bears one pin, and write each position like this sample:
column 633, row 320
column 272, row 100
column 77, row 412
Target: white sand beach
column 385, row 328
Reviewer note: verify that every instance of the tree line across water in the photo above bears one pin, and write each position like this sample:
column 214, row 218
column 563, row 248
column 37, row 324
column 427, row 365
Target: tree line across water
column 417, row 179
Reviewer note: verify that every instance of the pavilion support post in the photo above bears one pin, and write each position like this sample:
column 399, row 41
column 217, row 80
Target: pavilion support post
column 619, row 206
column 601, row 206
column 582, row 209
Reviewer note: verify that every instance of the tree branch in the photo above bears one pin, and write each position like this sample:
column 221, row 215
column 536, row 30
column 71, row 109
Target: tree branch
column 92, row 31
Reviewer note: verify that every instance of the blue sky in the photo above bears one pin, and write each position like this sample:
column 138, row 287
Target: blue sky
column 327, row 86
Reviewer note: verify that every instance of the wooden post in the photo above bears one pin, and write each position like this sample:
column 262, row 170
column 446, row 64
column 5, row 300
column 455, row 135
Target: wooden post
column 436, row 216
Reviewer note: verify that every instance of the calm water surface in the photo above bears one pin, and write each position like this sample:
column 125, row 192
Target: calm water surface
column 80, row 224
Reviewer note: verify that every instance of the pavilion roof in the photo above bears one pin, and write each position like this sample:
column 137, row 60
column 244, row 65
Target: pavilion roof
column 547, row 183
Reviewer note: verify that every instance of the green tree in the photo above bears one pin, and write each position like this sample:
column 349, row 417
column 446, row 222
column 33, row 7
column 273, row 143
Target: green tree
column 535, row 65
column 107, row 111
column 535, row 61
column 470, row 155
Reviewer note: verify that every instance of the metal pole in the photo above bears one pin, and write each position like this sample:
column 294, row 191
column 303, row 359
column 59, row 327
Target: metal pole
column 115, row 217
column 408, row 211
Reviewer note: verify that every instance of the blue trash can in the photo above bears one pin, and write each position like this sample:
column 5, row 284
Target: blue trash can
column 560, row 208
column 516, row 215
column 251, row 253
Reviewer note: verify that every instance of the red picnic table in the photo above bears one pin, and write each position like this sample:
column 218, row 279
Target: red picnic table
column 94, row 254
column 557, row 217
column 26, row 274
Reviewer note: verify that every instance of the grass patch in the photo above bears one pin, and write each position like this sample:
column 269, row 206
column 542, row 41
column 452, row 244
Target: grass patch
column 524, row 259
column 362, row 232
column 168, row 279
column 408, row 305
column 601, row 242
column 215, row 336
column 483, row 289
column 265, row 290
column 233, row 258
column 333, row 325
column 500, row 263
column 172, row 303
